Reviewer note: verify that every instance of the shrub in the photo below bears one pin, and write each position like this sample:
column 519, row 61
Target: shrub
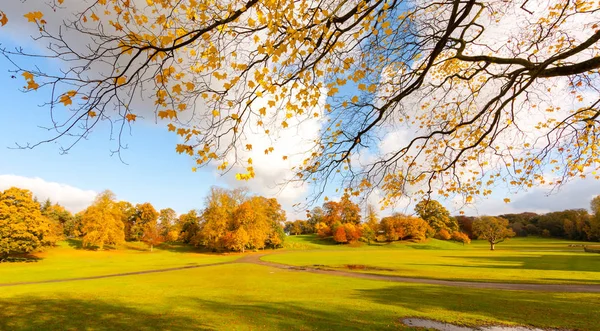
column 461, row 237
column 443, row 234
column 546, row 233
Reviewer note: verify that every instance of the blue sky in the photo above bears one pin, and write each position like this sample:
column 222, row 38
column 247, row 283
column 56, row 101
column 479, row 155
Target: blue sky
column 154, row 172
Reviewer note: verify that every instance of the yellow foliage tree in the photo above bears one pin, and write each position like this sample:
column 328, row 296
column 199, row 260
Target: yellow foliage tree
column 101, row 222
column 23, row 228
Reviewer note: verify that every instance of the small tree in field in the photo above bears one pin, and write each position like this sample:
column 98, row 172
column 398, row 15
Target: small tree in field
column 493, row 229
column 152, row 235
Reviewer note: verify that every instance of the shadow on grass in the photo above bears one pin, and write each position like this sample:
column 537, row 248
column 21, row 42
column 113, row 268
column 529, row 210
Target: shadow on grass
column 21, row 258
column 74, row 314
column 541, row 309
column 78, row 244
column 296, row 316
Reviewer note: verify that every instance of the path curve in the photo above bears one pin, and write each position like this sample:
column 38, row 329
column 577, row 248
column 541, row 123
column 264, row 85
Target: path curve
column 254, row 258
column 583, row 288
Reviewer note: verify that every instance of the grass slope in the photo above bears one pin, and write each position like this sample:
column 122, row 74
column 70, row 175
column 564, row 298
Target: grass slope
column 527, row 260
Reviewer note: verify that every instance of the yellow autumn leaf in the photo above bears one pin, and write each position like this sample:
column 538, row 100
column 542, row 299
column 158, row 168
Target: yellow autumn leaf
column 249, row 147
column 27, row 75
column 65, row 99
column 91, row 113
column 215, row 113
column 33, row 16
column 506, row 200
column 3, row 18
column 31, row 85
column 171, row 127
column 130, row 117
column 94, row 17
column 121, row 80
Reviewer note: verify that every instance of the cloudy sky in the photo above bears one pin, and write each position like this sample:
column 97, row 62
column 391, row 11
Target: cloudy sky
column 151, row 170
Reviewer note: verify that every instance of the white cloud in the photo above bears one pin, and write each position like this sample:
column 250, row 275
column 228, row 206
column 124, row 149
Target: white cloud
column 72, row 198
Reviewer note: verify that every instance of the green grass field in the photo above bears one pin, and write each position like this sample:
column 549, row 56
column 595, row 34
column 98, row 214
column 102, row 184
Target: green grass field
column 68, row 261
column 243, row 296
column 519, row 260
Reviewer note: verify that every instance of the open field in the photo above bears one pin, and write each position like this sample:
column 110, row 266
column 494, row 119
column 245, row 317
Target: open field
column 527, row 260
column 242, row 296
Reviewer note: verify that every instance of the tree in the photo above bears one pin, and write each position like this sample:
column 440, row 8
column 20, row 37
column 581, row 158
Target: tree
column 493, row 229
column 23, row 228
column 167, row 218
column 436, row 215
column 315, row 217
column 372, row 219
column 461, row 237
column 189, row 227
column 151, row 235
column 339, row 234
column 271, row 64
column 101, row 222
column 144, row 214
column 128, row 212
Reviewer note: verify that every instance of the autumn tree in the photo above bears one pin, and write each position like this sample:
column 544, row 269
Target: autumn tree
column 144, row 214
column 128, row 212
column 315, row 216
column 343, row 211
column 436, row 215
column 152, row 235
column 400, row 227
column 167, row 219
column 189, row 228
column 480, row 91
column 232, row 220
column 102, row 222
column 23, row 228
column 493, row 229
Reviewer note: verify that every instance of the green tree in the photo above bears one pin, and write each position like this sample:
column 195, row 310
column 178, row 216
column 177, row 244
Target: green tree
column 23, row 228
column 102, row 222
column 493, row 229
column 436, row 215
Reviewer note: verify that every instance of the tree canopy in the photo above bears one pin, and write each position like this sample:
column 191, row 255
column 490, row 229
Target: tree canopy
column 102, row 222
column 23, row 228
column 471, row 92
column 493, row 229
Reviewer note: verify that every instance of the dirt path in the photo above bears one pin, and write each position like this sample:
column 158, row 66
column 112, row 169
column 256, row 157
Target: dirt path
column 255, row 259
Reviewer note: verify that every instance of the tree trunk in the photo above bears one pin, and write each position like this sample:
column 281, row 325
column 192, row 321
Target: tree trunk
column 151, row 247
column 492, row 245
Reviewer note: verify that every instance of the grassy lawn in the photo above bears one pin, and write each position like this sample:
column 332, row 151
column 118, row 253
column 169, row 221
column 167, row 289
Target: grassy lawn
column 67, row 260
column 245, row 296
column 527, row 260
